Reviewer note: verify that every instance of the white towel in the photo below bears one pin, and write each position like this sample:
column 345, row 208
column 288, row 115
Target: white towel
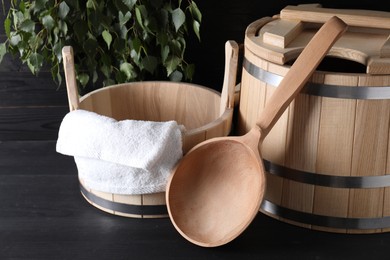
column 122, row 157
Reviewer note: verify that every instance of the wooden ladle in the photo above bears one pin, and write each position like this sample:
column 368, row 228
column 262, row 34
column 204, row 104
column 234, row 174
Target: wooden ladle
column 217, row 188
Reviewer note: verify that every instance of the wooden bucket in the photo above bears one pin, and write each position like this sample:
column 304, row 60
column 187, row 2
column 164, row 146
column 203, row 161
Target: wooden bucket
column 328, row 157
column 205, row 113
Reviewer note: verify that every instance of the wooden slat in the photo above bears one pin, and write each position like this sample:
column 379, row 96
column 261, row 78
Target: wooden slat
column 34, row 123
column 301, row 151
column 26, row 89
column 386, row 197
column 34, row 157
column 335, row 149
column 370, row 149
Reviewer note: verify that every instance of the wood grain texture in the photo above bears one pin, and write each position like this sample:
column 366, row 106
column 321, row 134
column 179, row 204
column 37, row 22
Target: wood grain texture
column 26, row 90
column 34, row 157
column 34, row 123
column 362, row 18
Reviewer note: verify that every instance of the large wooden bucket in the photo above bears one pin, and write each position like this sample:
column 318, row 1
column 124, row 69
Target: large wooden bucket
column 204, row 112
column 328, row 157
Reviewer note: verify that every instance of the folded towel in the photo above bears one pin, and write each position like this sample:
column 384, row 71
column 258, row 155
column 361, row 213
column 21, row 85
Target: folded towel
column 123, row 157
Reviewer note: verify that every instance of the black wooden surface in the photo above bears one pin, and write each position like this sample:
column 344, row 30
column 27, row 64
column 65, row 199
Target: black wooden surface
column 44, row 216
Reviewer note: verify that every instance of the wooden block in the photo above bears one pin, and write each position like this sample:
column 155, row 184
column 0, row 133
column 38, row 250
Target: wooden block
column 363, row 18
column 280, row 33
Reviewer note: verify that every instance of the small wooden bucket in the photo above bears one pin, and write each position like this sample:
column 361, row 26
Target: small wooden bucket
column 328, row 157
column 205, row 113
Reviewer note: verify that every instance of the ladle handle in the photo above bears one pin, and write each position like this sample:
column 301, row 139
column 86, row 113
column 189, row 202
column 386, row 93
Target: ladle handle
column 300, row 72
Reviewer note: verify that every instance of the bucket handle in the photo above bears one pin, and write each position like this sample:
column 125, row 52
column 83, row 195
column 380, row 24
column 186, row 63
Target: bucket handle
column 352, row 17
column 228, row 89
column 230, row 76
column 70, row 77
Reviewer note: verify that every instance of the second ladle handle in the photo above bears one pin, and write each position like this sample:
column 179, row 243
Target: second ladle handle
column 300, row 72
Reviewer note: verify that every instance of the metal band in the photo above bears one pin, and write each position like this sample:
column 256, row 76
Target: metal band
column 325, row 221
column 322, row 90
column 359, row 182
column 124, row 208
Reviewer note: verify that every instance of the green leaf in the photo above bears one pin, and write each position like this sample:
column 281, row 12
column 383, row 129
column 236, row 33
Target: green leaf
column 164, row 53
column 23, row 50
column 178, row 18
column 83, row 78
column 162, row 38
column 171, row 64
column 135, row 57
column 3, row 51
column 120, row 77
column 14, row 39
column 176, row 76
column 22, row 6
column 190, row 71
column 128, row 70
column 107, row 38
column 108, row 82
column 150, row 63
column 7, row 27
column 35, row 62
column 129, row 3
column 195, row 12
column 48, row 22
column 63, row 26
column 176, row 47
column 57, row 49
column 196, row 27
column 91, row 4
column 136, row 44
column 95, row 76
column 63, row 10
column 123, row 19
column 39, row 5
column 106, row 70
column 138, row 15
column 55, row 74
column 18, row 17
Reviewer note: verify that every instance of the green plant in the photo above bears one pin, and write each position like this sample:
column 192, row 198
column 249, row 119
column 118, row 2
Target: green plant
column 114, row 41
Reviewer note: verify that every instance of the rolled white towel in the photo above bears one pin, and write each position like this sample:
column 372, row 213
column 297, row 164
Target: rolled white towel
column 124, row 157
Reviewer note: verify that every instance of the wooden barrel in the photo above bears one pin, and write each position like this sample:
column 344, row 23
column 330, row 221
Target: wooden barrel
column 204, row 112
column 328, row 157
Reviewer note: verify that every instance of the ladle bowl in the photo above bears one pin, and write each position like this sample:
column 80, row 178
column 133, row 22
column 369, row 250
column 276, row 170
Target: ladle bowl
column 217, row 188
column 212, row 208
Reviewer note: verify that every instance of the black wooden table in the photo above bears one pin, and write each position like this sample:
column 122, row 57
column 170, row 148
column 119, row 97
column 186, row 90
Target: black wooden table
column 44, row 216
